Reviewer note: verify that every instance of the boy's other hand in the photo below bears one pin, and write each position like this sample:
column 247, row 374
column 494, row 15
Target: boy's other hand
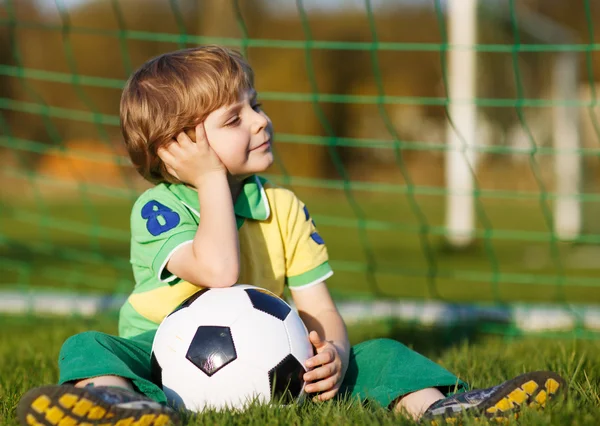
column 191, row 162
column 326, row 376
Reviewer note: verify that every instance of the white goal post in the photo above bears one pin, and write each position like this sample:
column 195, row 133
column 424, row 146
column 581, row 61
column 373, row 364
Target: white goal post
column 461, row 157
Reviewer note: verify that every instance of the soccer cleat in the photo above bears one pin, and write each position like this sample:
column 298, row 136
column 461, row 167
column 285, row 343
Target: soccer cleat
column 499, row 402
column 66, row 405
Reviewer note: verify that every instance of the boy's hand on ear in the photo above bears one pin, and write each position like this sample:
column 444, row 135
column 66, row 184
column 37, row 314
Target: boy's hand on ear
column 191, row 162
column 326, row 376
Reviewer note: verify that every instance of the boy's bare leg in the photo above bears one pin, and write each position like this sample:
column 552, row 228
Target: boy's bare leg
column 414, row 404
column 114, row 381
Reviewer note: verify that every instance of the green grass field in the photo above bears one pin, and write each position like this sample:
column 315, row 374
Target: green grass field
column 29, row 350
column 84, row 246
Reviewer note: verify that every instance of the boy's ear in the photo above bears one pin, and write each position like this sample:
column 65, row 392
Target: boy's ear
column 191, row 133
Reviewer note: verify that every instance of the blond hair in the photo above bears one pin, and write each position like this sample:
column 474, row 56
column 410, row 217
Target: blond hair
column 173, row 93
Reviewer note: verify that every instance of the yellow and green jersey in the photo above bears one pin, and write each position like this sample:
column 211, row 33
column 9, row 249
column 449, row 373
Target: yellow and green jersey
column 279, row 245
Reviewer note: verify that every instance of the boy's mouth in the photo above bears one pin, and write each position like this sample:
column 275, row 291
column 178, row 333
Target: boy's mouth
column 263, row 145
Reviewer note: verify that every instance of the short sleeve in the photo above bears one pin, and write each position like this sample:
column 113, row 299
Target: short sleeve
column 159, row 226
column 307, row 261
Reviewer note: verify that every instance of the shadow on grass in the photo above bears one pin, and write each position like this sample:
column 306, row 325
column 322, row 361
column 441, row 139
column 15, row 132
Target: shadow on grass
column 427, row 340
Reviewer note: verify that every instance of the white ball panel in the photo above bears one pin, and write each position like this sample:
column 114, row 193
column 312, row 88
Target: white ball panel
column 237, row 385
column 260, row 339
column 301, row 347
column 181, row 380
column 219, row 306
column 173, row 338
column 224, row 390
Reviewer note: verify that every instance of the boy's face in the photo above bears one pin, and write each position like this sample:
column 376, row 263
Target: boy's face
column 241, row 136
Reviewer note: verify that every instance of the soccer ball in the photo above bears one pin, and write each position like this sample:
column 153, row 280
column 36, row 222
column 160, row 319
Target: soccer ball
column 226, row 347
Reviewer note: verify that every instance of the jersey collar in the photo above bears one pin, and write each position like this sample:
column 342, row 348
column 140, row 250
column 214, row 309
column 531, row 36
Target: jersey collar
column 252, row 202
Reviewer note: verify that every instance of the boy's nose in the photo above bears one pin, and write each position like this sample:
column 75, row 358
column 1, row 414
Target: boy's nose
column 260, row 123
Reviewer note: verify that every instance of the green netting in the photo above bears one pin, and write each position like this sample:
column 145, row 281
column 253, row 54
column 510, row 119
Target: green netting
column 359, row 97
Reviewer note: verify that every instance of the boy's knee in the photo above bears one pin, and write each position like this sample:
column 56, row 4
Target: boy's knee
column 87, row 339
column 387, row 345
column 381, row 347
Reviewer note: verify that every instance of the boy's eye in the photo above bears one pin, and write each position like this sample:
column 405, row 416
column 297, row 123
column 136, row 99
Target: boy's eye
column 234, row 121
column 257, row 106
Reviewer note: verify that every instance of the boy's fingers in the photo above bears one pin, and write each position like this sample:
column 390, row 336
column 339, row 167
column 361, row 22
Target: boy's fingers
column 173, row 147
column 315, row 339
column 201, row 133
column 321, row 385
column 190, row 137
column 324, row 357
column 327, row 395
column 165, row 155
column 183, row 139
column 323, row 372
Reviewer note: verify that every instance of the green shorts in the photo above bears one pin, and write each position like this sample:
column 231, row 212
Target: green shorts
column 380, row 370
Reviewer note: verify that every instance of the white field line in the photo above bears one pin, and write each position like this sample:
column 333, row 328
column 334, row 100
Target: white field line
column 525, row 317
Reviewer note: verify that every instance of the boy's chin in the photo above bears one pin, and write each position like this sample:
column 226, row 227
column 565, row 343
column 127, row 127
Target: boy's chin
column 257, row 167
column 265, row 163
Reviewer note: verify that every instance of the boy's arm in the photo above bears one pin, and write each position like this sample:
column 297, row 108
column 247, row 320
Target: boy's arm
column 212, row 259
column 307, row 268
column 319, row 313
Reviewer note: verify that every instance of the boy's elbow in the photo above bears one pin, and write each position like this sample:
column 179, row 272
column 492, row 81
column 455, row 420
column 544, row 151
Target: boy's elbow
column 223, row 280
column 221, row 277
column 213, row 272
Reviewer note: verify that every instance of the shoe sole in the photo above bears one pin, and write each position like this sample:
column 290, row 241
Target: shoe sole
column 533, row 390
column 63, row 406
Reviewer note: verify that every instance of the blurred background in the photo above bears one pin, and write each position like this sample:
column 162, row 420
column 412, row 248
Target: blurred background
column 445, row 168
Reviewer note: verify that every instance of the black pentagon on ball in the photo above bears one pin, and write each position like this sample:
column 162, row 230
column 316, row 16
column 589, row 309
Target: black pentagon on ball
column 286, row 380
column 187, row 302
column 269, row 304
column 211, row 349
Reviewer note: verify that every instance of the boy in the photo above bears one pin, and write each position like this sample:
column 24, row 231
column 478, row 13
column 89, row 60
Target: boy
column 193, row 127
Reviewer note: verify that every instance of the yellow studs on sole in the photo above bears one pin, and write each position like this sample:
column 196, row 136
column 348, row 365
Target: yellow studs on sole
column 541, row 397
column 68, row 400
column 504, row 404
column 518, row 396
column 54, row 414
column 82, row 407
column 145, row 420
column 32, row 421
column 96, row 413
column 552, row 386
column 67, row 421
column 41, row 404
column 125, row 422
column 530, row 387
column 162, row 420
column 58, row 413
